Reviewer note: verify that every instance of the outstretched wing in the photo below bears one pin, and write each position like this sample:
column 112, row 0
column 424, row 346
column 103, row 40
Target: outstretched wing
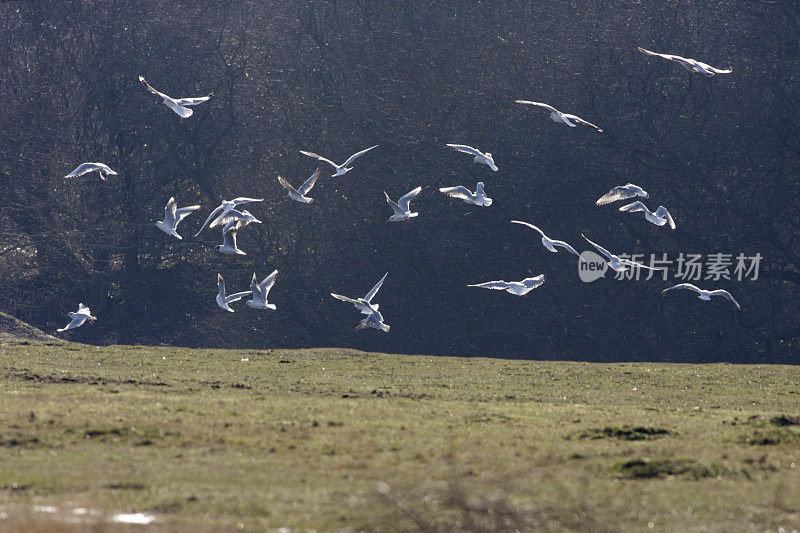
column 579, row 120
column 459, row 192
column 309, row 183
column 497, row 285
column 357, row 155
column 184, row 212
column 194, row 101
column 393, row 204
column 665, row 56
column 255, row 289
column 599, row 248
column 529, row 225
column 345, row 299
column 466, row 149
column 405, row 200
column 235, row 297
column 684, row 286
column 540, row 104
column 266, row 285
column 319, row 157
column 726, row 294
column 244, row 200
column 565, row 246
column 170, row 213
column 634, row 207
column 221, row 285
column 152, row 90
column 287, row 185
column 213, row 214
column 374, row 290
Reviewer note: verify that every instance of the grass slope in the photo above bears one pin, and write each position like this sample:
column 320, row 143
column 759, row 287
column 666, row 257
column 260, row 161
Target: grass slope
column 338, row 439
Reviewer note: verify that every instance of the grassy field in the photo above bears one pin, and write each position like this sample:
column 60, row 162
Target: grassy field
column 334, row 439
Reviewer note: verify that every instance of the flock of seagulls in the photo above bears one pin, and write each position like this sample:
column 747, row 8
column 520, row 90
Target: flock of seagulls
column 231, row 218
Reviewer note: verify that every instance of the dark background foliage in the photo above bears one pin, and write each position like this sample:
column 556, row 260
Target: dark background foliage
column 722, row 153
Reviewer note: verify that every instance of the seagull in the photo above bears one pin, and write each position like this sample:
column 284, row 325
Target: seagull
column 480, row 157
column 660, row 217
column 622, row 192
column 704, row 295
column 615, row 262
column 373, row 320
column 462, row 193
column 520, row 288
column 300, row 194
column 570, row 120
column 340, row 169
column 179, row 105
column 223, row 300
column 234, row 215
column 690, row 64
column 364, row 304
column 78, row 318
column 83, row 168
column 173, row 217
column 548, row 243
column 260, row 292
column 224, row 207
column 228, row 245
column 402, row 209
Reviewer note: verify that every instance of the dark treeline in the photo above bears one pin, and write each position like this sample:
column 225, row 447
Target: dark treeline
column 722, row 153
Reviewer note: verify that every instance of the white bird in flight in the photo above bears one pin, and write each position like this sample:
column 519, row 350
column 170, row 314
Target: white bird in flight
column 703, row 294
column 660, row 217
column 374, row 319
column 480, row 157
column 343, row 168
column 173, row 216
column 223, row 210
column 402, row 208
column 548, row 243
column 300, row 194
column 179, row 105
column 690, row 64
column 78, row 318
column 223, row 300
column 260, row 292
column 100, row 168
column 622, row 192
column 462, row 193
column 520, row 288
column 229, row 245
column 364, row 304
column 570, row 120
column 617, row 263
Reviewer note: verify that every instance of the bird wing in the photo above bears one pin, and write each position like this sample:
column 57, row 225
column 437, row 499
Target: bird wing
column 184, row 212
column 540, row 104
column 84, row 310
column 374, row 290
column 466, row 149
column 617, row 193
column 479, row 189
column 81, row 169
column 602, row 250
column 662, row 212
column 344, row 298
column 244, row 200
column 194, row 101
column 229, row 235
column 74, row 323
column 530, row 226
column 579, row 120
column 170, row 216
column 498, row 285
column 405, row 200
column 684, row 286
column 628, row 262
column 718, row 70
column 266, row 285
column 459, row 192
column 235, row 297
column 393, row 204
column 221, row 285
column 565, row 246
column 287, row 185
column 152, row 90
column 357, row 155
column 309, row 183
column 184, row 112
column 210, row 217
column 726, row 294
column 315, row 156
column 255, row 289
column 634, row 207
column 665, row 56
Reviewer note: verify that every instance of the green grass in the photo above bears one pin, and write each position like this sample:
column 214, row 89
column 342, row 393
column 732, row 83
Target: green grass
column 339, row 439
